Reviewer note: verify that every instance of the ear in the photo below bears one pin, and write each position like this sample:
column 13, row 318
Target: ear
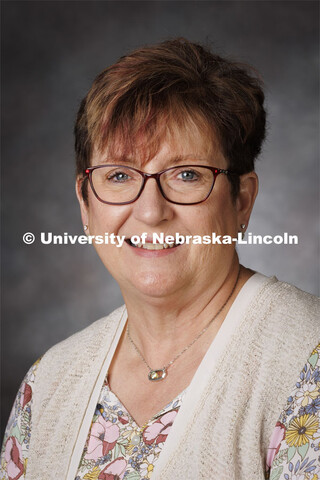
column 82, row 203
column 249, row 185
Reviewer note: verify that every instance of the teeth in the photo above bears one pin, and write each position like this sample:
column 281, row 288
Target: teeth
column 154, row 246
column 151, row 246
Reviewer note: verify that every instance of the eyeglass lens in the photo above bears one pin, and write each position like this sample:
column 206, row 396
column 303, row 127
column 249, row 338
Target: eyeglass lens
column 114, row 184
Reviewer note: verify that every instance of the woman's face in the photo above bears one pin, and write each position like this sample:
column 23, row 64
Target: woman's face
column 162, row 273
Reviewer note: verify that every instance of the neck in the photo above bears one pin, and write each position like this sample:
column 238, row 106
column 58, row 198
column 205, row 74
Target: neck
column 167, row 325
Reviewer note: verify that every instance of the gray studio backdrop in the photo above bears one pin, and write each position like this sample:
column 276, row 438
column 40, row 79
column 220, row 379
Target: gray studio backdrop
column 51, row 51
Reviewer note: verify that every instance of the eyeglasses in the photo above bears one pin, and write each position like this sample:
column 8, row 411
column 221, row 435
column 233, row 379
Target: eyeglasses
column 182, row 185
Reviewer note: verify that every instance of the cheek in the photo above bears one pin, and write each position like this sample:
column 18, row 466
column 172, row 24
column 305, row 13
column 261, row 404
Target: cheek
column 223, row 215
column 217, row 217
column 105, row 218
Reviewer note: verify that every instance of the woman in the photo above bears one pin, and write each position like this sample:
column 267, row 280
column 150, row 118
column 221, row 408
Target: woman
column 196, row 376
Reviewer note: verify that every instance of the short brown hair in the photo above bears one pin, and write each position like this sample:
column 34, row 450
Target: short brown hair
column 132, row 103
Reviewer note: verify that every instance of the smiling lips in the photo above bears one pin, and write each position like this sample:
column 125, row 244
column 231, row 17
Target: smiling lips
column 151, row 245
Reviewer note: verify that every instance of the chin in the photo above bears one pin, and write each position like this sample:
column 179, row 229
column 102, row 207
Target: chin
column 155, row 285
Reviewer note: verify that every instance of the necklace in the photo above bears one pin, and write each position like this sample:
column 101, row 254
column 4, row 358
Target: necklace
column 155, row 375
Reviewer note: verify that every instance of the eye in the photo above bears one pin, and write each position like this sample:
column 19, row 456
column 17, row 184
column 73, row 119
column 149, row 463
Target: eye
column 118, row 177
column 188, row 175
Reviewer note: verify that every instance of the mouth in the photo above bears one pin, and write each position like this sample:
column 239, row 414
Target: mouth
column 151, row 246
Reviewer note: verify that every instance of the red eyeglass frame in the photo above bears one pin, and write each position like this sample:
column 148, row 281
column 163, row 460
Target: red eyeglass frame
column 215, row 170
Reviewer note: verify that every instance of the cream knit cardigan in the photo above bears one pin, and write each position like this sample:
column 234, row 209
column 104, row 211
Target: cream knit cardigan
column 231, row 405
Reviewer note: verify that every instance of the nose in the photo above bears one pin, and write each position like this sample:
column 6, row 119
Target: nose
column 152, row 208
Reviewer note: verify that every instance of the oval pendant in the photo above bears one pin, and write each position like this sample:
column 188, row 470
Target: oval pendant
column 156, row 375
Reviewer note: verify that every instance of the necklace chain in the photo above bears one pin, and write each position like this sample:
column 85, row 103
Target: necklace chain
column 160, row 374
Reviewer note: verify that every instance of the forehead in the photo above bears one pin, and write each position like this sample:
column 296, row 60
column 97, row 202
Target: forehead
column 174, row 145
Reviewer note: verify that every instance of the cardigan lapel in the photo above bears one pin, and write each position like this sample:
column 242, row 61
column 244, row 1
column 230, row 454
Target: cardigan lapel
column 67, row 385
column 92, row 402
column 196, row 390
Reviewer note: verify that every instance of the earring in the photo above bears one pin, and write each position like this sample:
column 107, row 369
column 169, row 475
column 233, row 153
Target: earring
column 242, row 226
column 85, row 227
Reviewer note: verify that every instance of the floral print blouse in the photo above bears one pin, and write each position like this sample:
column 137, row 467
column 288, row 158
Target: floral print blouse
column 117, row 448
column 294, row 451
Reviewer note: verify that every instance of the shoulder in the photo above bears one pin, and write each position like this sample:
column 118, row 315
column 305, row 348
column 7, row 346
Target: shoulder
column 293, row 300
column 79, row 353
column 280, row 332
column 73, row 363
column 283, row 320
column 88, row 338
column 288, row 310
column 283, row 329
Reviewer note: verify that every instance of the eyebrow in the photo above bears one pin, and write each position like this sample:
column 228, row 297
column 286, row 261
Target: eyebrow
column 169, row 161
column 180, row 159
